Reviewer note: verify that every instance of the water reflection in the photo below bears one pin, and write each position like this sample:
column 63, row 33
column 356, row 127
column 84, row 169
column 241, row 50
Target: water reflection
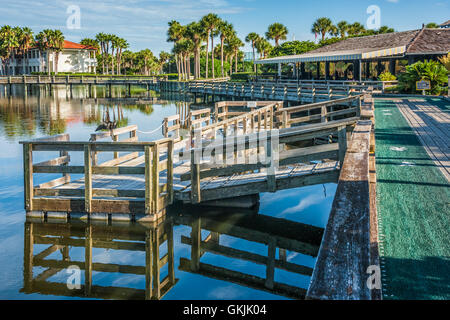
column 51, row 248
column 59, row 239
column 39, row 113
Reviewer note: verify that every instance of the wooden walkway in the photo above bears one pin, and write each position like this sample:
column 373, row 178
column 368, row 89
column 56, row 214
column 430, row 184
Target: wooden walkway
column 296, row 92
column 432, row 127
column 243, row 153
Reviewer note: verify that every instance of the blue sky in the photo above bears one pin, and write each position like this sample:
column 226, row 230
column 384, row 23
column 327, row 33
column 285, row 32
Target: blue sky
column 144, row 22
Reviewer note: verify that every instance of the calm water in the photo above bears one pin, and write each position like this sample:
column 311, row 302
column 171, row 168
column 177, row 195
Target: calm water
column 37, row 114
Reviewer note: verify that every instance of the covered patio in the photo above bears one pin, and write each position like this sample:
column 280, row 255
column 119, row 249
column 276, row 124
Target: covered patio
column 364, row 58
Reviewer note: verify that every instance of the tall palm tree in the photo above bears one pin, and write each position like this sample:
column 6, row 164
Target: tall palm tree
column 121, row 44
column 343, row 27
column 163, row 59
column 226, row 31
column 263, row 46
column 252, row 37
column 277, row 32
column 26, row 41
column 235, row 43
column 101, row 39
column 9, row 43
column 175, row 34
column 210, row 23
column 195, row 32
column 44, row 40
column 146, row 56
column 322, row 26
column 57, row 40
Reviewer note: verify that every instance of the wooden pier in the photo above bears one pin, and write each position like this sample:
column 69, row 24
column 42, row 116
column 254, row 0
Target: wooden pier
column 143, row 178
column 150, row 83
column 294, row 92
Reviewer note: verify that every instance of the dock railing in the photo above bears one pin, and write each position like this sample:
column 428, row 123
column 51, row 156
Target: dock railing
column 115, row 134
column 76, row 79
column 158, row 159
column 254, row 151
column 319, row 112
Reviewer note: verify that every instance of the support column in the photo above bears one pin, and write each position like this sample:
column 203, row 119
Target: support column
column 279, row 70
column 367, row 66
column 327, row 70
column 392, row 66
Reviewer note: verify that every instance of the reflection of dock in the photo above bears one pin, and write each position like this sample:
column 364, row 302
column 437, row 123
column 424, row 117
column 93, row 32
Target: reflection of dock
column 277, row 234
column 63, row 237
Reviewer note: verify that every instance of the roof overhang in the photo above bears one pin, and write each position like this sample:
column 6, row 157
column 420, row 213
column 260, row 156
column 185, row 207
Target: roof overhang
column 359, row 54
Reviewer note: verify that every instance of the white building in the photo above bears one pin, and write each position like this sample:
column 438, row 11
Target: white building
column 74, row 57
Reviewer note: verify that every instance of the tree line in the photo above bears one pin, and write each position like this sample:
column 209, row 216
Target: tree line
column 111, row 51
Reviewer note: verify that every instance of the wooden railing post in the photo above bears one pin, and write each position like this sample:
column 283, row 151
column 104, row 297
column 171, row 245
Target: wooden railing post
column 155, row 179
column 28, row 176
column 342, row 140
column 148, row 180
column 323, row 114
column 195, row 176
column 271, row 182
column 87, row 179
column 170, row 191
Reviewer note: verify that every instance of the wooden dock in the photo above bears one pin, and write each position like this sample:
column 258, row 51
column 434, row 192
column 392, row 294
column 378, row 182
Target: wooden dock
column 150, row 83
column 143, row 178
column 300, row 92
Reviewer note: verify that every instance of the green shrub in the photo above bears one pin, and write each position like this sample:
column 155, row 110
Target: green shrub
column 429, row 70
column 387, row 76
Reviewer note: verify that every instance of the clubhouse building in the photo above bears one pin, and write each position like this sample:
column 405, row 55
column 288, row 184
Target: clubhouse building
column 365, row 58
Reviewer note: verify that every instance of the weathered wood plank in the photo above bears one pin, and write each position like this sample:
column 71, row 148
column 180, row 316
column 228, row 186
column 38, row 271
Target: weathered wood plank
column 346, row 242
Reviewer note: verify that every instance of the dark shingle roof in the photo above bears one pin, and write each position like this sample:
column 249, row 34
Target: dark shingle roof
column 431, row 41
column 416, row 41
column 381, row 41
column 447, row 23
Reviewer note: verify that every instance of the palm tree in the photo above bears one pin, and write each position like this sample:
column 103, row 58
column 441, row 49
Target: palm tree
column 26, row 40
column 322, row 26
column 175, row 34
column 121, row 44
column 101, row 39
column 343, row 27
column 145, row 56
column 226, row 31
column 235, row 43
column 277, row 32
column 253, row 37
column 263, row 46
column 57, row 40
column 210, row 23
column 9, row 43
column 195, row 32
column 356, row 29
column 44, row 40
column 164, row 57
column 385, row 29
